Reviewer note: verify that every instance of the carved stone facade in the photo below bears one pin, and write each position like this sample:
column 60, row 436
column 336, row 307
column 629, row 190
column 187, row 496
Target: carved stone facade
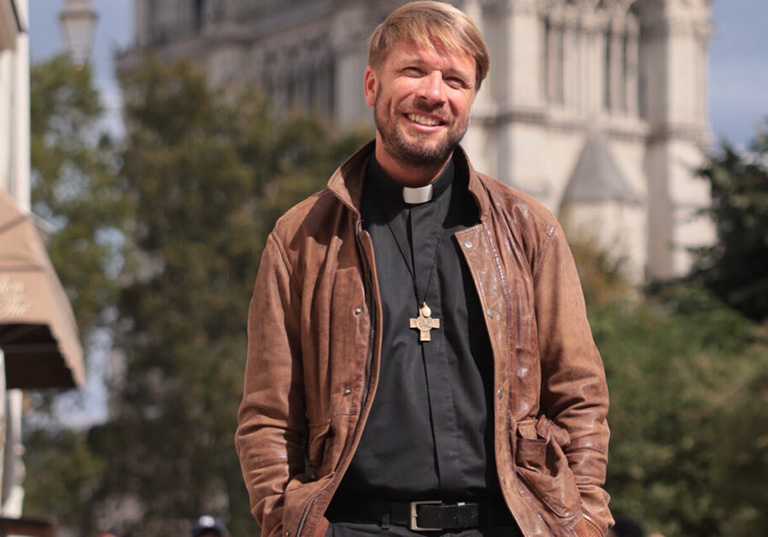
column 596, row 107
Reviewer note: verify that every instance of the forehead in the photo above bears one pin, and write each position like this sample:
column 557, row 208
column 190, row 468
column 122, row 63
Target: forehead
column 437, row 56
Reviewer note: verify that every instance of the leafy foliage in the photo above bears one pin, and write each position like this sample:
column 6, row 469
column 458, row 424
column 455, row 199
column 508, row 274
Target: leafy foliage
column 165, row 232
column 66, row 476
column 74, row 186
column 673, row 374
column 687, row 376
column 74, row 189
column 736, row 268
column 741, row 455
column 208, row 175
column 602, row 278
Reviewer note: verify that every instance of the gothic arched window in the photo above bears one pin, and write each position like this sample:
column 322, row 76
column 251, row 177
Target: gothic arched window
column 621, row 58
column 590, row 56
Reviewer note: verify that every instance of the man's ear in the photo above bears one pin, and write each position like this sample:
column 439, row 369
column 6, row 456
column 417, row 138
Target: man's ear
column 371, row 86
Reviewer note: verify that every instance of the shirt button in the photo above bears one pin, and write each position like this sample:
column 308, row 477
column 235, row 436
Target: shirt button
column 500, row 393
column 468, row 244
column 358, row 310
column 490, row 314
column 347, row 391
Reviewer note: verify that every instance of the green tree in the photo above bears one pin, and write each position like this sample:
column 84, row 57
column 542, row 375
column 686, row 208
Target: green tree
column 688, row 378
column 688, row 373
column 63, row 474
column 736, row 267
column 74, row 188
column 207, row 174
column 741, row 456
column 673, row 369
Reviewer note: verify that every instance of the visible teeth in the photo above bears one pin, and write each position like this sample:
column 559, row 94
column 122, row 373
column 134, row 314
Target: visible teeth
column 423, row 120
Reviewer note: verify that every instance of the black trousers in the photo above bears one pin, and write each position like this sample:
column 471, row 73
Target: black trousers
column 357, row 529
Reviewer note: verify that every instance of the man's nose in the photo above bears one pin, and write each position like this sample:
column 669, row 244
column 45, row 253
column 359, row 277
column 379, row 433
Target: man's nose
column 432, row 87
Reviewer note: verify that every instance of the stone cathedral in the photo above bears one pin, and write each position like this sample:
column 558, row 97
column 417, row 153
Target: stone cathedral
column 598, row 108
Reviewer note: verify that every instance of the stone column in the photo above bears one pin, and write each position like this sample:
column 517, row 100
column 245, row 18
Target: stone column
column 677, row 134
column 633, row 61
column 482, row 109
column 702, row 80
column 570, row 63
column 554, row 65
column 523, row 78
column 582, row 52
column 616, row 67
column 594, row 75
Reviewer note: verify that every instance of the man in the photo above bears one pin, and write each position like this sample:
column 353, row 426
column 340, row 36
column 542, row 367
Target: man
column 419, row 357
column 208, row 526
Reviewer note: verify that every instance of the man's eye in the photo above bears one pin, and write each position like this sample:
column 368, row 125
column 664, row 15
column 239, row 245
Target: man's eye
column 412, row 71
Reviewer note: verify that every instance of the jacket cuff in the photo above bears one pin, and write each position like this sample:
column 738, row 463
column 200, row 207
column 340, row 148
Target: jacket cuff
column 585, row 528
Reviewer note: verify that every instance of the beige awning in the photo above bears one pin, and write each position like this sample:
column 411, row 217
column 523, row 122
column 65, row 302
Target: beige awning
column 38, row 334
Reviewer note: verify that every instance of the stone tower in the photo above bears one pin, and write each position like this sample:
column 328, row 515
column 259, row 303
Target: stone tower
column 673, row 85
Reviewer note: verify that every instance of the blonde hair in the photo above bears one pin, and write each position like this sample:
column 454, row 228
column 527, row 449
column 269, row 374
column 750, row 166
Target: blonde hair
column 430, row 24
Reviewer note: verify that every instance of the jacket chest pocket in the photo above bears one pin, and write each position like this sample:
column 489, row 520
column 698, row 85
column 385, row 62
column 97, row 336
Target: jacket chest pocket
column 543, row 467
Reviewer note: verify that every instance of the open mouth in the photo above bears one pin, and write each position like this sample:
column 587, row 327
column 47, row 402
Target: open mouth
column 425, row 121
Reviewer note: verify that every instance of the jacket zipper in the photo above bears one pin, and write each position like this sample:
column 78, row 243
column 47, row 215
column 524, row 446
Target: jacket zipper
column 369, row 359
column 372, row 310
column 305, row 514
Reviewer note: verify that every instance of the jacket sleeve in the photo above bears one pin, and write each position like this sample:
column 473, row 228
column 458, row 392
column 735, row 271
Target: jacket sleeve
column 271, row 420
column 574, row 390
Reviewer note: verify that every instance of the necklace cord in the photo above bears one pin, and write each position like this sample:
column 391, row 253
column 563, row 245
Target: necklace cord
column 412, row 271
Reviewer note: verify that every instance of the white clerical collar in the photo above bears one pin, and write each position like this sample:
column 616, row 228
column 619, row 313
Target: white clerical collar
column 417, row 195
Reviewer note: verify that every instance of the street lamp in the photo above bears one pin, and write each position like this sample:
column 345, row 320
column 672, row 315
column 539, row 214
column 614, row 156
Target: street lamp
column 78, row 20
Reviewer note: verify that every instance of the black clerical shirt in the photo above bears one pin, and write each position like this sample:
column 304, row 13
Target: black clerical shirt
column 430, row 431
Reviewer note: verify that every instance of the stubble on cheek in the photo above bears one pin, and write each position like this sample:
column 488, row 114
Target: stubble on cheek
column 416, row 153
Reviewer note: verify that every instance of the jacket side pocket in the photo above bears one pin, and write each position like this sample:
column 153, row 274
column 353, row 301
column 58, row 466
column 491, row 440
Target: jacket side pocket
column 543, row 467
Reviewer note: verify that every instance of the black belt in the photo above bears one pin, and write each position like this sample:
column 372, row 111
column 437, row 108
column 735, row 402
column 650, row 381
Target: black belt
column 425, row 515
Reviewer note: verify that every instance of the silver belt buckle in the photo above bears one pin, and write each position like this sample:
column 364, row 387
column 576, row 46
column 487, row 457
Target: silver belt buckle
column 413, row 524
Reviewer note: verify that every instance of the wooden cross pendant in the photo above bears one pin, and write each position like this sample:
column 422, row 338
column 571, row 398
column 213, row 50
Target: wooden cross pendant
column 424, row 323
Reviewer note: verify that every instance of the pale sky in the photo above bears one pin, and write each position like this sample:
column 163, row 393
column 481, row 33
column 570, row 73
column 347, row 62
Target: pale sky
column 738, row 57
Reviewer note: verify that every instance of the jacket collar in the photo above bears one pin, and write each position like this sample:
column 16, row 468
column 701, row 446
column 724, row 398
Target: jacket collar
column 346, row 183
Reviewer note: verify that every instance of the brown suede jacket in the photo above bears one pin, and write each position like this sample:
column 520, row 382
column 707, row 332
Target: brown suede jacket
column 314, row 352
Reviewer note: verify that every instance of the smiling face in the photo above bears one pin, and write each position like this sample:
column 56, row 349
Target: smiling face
column 421, row 99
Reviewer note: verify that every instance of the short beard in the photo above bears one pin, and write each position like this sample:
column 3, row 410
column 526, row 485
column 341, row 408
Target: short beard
column 412, row 154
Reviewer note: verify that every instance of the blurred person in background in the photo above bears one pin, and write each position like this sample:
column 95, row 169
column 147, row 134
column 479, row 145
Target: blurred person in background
column 208, row 526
